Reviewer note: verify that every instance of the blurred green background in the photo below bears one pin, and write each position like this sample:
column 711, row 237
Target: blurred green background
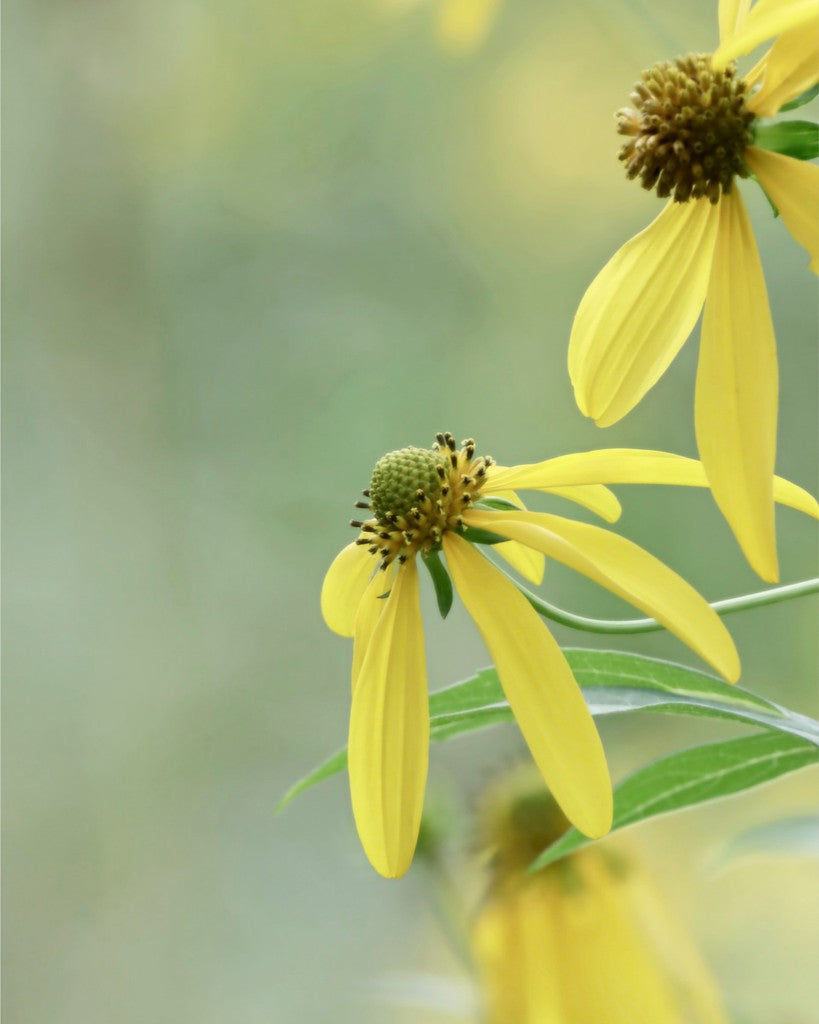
column 250, row 248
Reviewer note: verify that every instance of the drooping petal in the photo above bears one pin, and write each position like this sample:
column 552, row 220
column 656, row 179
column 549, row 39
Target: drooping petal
column 766, row 19
column 370, row 608
column 389, row 732
column 732, row 13
column 735, row 407
column 639, row 310
column 530, row 564
column 633, row 466
column 628, row 571
column 620, row 978
column 343, row 587
column 793, row 186
column 790, row 68
column 516, row 946
column 593, row 496
column 539, row 685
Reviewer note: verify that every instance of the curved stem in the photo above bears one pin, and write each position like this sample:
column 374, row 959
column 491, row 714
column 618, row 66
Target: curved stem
column 724, row 607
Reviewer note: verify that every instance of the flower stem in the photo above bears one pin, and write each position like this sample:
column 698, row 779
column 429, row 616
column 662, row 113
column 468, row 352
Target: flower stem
column 724, row 607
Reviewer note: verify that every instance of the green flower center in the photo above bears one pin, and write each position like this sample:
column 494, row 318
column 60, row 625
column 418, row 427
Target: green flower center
column 518, row 818
column 689, row 129
column 398, row 478
column 417, row 494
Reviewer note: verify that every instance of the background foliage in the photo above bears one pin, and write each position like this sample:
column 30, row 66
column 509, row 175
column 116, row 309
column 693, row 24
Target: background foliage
column 254, row 246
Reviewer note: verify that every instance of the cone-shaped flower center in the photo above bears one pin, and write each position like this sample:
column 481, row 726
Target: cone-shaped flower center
column 399, row 476
column 689, row 129
column 417, row 494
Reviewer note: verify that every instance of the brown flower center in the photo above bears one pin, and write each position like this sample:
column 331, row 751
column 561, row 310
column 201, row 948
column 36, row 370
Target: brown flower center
column 688, row 129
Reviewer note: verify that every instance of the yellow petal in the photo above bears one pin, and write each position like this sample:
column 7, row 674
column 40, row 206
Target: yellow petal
column 790, row 68
column 628, row 571
column 766, row 19
column 593, row 496
column 530, row 564
column 508, row 494
column 639, row 310
column 539, row 685
column 635, row 466
column 736, row 396
column 732, row 13
column 793, row 186
column 516, row 948
column 389, row 732
column 618, row 977
column 344, row 586
column 370, row 607
column 753, row 77
column 787, row 493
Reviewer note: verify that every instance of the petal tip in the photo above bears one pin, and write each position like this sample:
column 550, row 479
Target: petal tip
column 598, row 824
column 606, row 419
column 767, row 568
column 735, row 672
column 390, row 871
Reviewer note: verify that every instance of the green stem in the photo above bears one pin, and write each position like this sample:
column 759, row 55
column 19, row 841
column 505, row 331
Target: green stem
column 725, row 607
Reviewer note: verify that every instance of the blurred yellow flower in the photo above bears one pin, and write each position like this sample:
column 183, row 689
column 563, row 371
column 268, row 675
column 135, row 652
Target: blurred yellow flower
column 426, row 500
column 587, row 940
column 461, row 26
column 690, row 135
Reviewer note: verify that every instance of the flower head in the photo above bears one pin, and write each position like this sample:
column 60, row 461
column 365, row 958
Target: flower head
column 688, row 129
column 587, row 939
column 450, row 499
column 690, row 133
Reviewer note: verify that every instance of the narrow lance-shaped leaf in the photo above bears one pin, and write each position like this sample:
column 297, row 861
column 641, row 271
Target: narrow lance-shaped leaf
column 695, row 776
column 800, row 101
column 440, row 580
column 613, row 682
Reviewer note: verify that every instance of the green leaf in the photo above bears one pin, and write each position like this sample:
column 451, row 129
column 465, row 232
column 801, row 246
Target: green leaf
column 799, row 139
column 657, row 685
column 613, row 682
column 501, row 504
column 800, row 101
column 440, row 580
column 332, row 766
column 475, row 535
column 695, row 776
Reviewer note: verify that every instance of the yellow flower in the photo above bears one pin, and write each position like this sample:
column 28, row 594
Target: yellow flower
column 690, row 135
column 587, row 939
column 425, row 500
